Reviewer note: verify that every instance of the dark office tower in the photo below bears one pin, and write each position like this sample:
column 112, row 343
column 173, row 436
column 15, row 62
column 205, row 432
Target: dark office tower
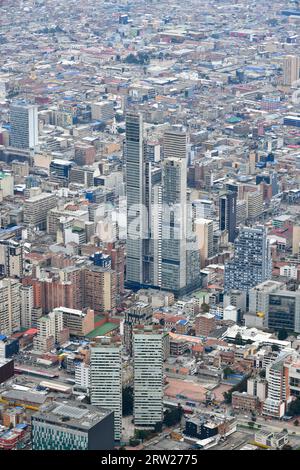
column 139, row 313
column 284, row 311
column 227, row 214
column 60, row 171
column 251, row 263
column 137, row 218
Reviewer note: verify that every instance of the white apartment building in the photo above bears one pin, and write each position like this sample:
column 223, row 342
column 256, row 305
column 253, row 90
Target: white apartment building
column 26, row 306
column 148, row 376
column 10, row 306
column 277, row 376
column 49, row 327
column 289, row 271
column 203, row 209
column 106, row 380
column 82, row 375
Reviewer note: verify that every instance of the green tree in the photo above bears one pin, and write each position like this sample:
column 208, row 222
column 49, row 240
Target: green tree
column 228, row 396
column 238, row 339
column 158, row 427
column 282, row 334
column 141, row 434
column 131, row 59
column 205, row 307
column 127, row 397
column 294, row 408
column 172, row 417
column 227, row 371
column 240, row 387
column 133, row 442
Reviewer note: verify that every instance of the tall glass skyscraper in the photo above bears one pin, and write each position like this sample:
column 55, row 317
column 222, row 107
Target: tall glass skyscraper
column 159, row 223
column 136, row 199
column 227, row 214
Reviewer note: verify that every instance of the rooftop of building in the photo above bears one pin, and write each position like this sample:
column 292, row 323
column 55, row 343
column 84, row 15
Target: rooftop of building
column 27, row 396
column 102, row 330
column 72, row 414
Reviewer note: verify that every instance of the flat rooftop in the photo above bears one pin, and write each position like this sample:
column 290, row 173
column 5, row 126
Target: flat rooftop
column 102, row 330
column 39, row 197
column 72, row 414
column 25, row 396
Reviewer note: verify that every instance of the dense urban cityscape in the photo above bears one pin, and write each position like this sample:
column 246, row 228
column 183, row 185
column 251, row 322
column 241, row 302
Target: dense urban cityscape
column 149, row 225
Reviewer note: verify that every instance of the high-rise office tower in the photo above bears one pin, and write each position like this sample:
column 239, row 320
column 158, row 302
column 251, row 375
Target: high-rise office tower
column 102, row 111
column 60, row 171
column 139, row 313
column 205, row 234
column 100, row 289
column 10, row 306
column 203, row 209
column 157, row 214
column 180, row 263
column 284, row 311
column 174, row 223
column 24, row 126
column 27, row 305
column 251, row 263
column 296, row 238
column 175, row 144
column 148, row 376
column 227, row 214
column 291, row 69
column 156, row 218
column 255, row 204
column 136, row 199
column 11, row 258
column 36, row 209
column 106, row 380
column 241, row 212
